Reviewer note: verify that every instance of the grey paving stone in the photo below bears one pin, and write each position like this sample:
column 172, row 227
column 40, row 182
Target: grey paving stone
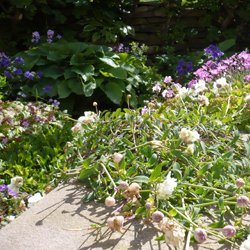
column 43, row 226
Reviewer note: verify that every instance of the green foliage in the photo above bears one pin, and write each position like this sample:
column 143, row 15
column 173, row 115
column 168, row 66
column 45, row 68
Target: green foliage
column 77, row 69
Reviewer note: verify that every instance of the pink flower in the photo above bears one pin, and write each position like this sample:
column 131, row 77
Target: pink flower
column 168, row 79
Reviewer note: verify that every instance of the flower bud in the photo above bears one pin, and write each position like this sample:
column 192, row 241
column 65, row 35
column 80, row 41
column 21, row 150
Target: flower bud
column 116, row 223
column 157, row 216
column 148, row 205
column 240, row 182
column 151, row 105
column 94, row 104
column 200, row 235
column 229, row 231
column 19, row 179
column 109, row 201
column 117, row 157
column 123, row 185
column 243, row 201
column 244, row 94
column 147, row 221
column 218, row 85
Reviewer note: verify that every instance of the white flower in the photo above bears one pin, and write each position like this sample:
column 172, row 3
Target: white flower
column 34, row 199
column 247, row 98
column 221, row 84
column 15, row 184
column 246, row 244
column 203, row 100
column 189, row 136
column 200, row 86
column 182, row 92
column 189, row 150
column 165, row 189
column 174, row 233
column 89, row 117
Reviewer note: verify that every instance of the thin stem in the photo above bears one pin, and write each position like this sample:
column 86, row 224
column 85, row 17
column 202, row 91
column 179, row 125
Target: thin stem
column 107, row 172
column 206, row 187
column 121, row 206
column 188, row 238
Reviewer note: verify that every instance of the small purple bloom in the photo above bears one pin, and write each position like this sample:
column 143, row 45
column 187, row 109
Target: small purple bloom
column 58, row 37
column 11, row 192
column 247, row 78
column 189, row 69
column 26, row 123
column 168, row 79
column 49, row 40
column 157, row 87
column 18, row 72
column 28, row 74
column 6, row 73
column 191, row 83
column 47, row 89
column 50, row 100
column 181, row 63
column 4, row 140
column 3, row 187
column 167, row 93
column 36, row 37
column 40, row 74
column 144, row 110
column 37, row 118
column 5, row 63
column 56, row 104
column 23, row 95
column 50, row 33
column 18, row 60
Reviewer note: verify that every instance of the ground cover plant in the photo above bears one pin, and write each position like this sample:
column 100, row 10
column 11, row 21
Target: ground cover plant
column 176, row 158
column 32, row 140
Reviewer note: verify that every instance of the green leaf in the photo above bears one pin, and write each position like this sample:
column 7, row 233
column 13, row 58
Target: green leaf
column 221, row 203
column 89, row 197
column 247, row 146
column 126, row 141
column 64, row 89
column 236, row 137
column 160, row 238
column 219, row 224
column 29, row 62
column 173, row 212
column 53, row 72
column 203, row 146
column 114, row 92
column 115, row 72
column 156, row 173
column 204, row 169
column 141, row 179
column 96, row 36
column 89, row 88
column 76, row 86
column 225, row 45
column 77, row 47
column 87, row 172
column 85, row 72
column 88, row 28
column 108, row 61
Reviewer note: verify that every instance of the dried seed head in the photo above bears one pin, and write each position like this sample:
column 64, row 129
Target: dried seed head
column 128, row 96
column 109, row 201
column 243, row 201
column 157, row 216
column 19, row 179
column 240, row 182
column 229, row 231
column 48, row 189
column 148, row 205
column 200, row 235
column 132, row 191
column 94, row 104
column 123, row 185
column 116, row 223
column 117, row 157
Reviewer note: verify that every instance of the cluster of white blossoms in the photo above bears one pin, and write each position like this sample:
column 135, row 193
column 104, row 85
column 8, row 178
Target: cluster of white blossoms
column 221, row 84
column 203, row 100
column 246, row 244
column 89, row 117
column 15, row 184
column 189, row 136
column 165, row 189
column 174, row 233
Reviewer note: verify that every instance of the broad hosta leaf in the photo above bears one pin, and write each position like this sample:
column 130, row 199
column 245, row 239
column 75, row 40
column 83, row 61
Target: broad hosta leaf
column 76, row 86
column 63, row 89
column 114, row 92
column 53, row 72
column 77, row 47
column 85, row 72
column 88, row 28
column 89, row 88
column 108, row 61
column 223, row 46
column 29, row 62
column 115, row 72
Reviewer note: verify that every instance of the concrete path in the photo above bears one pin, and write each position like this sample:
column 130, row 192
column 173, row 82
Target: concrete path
column 43, row 226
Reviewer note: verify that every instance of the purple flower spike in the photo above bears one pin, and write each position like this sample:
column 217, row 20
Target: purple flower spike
column 3, row 187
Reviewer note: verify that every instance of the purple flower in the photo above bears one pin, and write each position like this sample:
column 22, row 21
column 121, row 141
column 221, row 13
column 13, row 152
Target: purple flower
column 18, row 72
column 36, row 37
column 11, row 192
column 28, row 75
column 40, row 74
column 50, row 100
column 18, row 60
column 247, row 78
column 210, row 49
column 50, row 33
column 181, row 63
column 5, row 63
column 56, row 104
column 37, row 118
column 180, row 70
column 23, row 95
column 6, row 73
column 191, row 83
column 144, row 110
column 26, row 123
column 58, row 37
column 47, row 89
column 168, row 79
column 3, row 187
column 49, row 40
column 167, row 93
column 4, row 140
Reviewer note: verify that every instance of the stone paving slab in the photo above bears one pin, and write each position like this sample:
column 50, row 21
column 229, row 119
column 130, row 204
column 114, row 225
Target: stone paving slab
column 43, row 226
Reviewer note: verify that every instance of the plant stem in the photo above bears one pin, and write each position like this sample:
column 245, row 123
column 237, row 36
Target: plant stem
column 206, row 187
column 107, row 172
column 188, row 238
